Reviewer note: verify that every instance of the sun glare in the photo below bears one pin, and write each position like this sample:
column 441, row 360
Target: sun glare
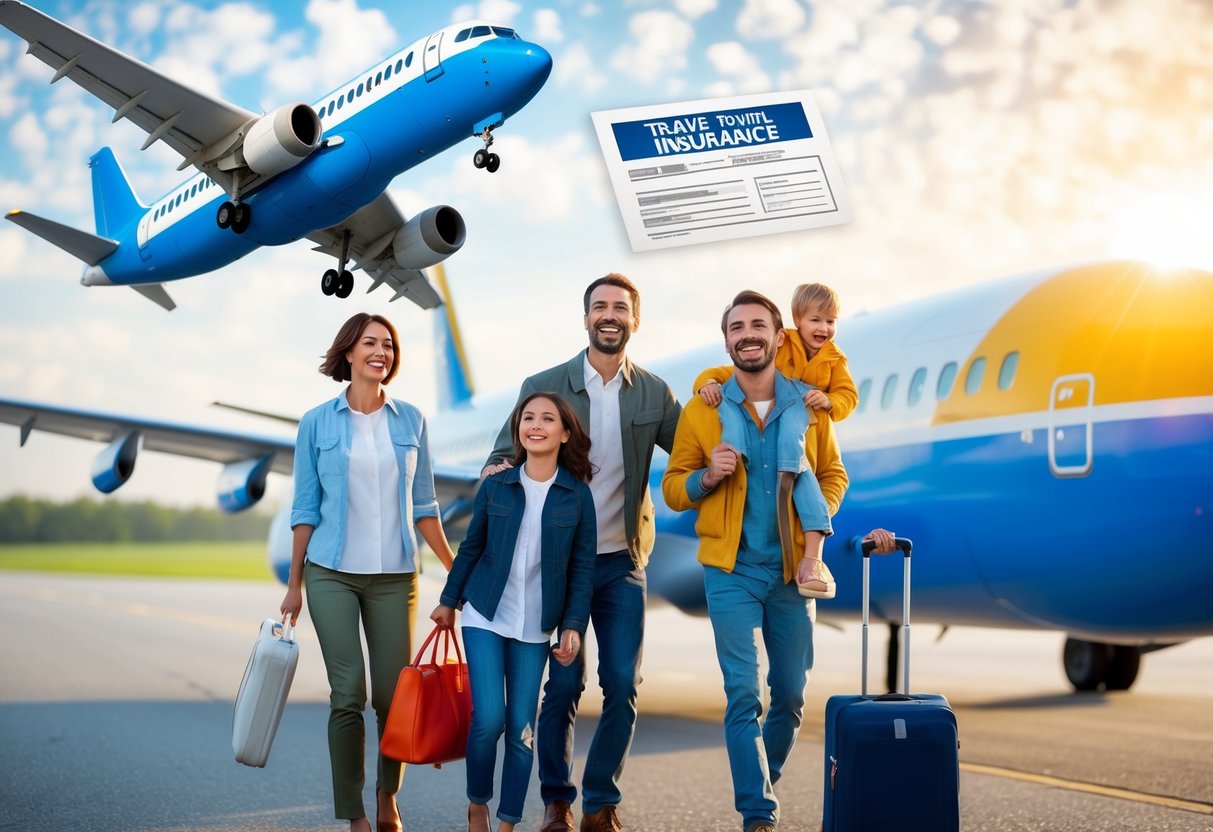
column 1168, row 230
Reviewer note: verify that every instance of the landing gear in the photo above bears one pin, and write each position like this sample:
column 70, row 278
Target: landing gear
column 339, row 281
column 235, row 216
column 1091, row 665
column 482, row 158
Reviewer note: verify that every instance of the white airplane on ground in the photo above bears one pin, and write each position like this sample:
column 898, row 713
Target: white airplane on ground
column 303, row 170
column 1046, row 440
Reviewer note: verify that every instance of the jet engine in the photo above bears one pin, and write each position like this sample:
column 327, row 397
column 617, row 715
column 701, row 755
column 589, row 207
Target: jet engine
column 429, row 238
column 242, row 484
column 115, row 464
column 282, row 139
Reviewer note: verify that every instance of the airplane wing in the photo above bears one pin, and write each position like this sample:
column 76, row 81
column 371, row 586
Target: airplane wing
column 222, row 446
column 456, row 485
column 372, row 229
column 202, row 129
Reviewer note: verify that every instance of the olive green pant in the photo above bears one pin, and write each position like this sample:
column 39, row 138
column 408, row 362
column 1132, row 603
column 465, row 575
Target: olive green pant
column 387, row 606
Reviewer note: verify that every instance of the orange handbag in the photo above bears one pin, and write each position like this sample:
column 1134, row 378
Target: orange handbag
column 431, row 710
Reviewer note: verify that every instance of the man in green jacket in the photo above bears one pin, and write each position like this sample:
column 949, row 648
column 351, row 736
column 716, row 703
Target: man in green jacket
column 627, row 411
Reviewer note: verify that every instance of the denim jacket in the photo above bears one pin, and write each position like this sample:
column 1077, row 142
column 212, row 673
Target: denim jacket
column 568, row 543
column 322, row 466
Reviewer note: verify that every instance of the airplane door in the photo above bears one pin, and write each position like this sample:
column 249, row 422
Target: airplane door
column 431, row 57
column 1071, row 446
column 141, row 235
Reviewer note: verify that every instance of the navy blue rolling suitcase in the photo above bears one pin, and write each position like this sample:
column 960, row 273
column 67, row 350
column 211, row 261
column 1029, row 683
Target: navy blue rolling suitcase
column 891, row 761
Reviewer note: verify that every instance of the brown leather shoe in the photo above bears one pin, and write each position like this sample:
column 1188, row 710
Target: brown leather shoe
column 557, row 817
column 761, row 827
column 605, row 819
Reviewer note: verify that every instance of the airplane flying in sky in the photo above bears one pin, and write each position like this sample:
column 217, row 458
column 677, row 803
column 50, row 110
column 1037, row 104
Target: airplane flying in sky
column 1046, row 440
column 318, row 171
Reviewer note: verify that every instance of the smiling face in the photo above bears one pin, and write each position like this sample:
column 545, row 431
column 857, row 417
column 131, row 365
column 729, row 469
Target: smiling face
column 816, row 326
column 541, row 431
column 611, row 319
column 373, row 354
column 751, row 337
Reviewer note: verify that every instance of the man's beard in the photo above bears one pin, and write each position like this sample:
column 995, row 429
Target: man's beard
column 756, row 364
column 607, row 347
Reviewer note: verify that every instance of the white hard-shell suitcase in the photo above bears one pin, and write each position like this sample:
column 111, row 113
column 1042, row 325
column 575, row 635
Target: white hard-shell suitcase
column 262, row 696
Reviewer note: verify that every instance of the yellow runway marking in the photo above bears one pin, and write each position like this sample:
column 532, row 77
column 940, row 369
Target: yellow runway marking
column 1090, row 788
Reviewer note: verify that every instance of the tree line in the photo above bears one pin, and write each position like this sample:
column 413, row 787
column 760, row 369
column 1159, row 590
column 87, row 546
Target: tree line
column 27, row 520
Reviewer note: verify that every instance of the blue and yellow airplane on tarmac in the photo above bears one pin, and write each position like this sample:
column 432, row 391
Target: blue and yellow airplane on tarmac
column 318, row 171
column 1046, row 440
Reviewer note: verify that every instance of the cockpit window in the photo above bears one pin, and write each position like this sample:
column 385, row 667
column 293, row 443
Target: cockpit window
column 481, row 31
column 503, row 32
column 462, row 36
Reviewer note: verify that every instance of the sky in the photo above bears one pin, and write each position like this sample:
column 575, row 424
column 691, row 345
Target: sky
column 977, row 139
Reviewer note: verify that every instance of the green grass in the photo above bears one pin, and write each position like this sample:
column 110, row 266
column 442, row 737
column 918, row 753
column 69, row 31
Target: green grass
column 245, row 560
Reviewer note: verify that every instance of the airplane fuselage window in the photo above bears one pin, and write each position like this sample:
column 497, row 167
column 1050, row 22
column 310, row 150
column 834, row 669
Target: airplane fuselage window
column 403, row 63
column 947, row 377
column 864, row 387
column 917, row 381
column 973, row 378
column 359, row 92
column 890, row 389
column 387, row 72
column 378, row 78
column 1006, row 373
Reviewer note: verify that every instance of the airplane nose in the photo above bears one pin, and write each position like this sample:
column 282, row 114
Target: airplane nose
column 521, row 67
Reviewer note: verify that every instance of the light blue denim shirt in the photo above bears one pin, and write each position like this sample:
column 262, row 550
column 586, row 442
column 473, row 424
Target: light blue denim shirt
column 322, row 466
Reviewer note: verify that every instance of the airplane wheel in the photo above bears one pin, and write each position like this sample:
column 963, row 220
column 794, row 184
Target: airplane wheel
column 345, row 285
column 1122, row 671
column 1086, row 663
column 481, row 158
column 225, row 214
column 329, row 281
column 241, row 218
column 492, row 163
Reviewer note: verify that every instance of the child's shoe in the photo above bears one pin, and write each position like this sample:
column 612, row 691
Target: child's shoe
column 821, row 585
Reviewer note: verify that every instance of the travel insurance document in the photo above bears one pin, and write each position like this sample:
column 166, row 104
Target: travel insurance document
column 722, row 168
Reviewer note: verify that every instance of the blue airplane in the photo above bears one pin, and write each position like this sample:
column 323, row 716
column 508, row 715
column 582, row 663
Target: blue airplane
column 1046, row 440
column 318, row 171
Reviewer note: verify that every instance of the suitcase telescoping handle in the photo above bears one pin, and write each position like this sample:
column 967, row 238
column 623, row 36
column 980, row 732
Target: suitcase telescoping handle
column 905, row 545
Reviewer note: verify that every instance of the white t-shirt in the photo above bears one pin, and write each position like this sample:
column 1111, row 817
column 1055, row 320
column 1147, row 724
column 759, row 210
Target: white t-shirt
column 373, row 533
column 520, row 610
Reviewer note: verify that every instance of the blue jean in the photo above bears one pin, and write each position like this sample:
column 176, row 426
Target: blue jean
column 810, row 503
column 617, row 614
column 504, row 674
column 739, row 606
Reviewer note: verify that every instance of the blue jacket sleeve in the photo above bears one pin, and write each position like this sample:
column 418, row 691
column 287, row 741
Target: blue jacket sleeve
column 305, row 510
column 425, row 500
column 581, row 565
column 470, row 549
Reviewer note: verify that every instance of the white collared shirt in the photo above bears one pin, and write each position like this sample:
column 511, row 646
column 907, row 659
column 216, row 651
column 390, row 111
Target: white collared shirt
column 520, row 610
column 373, row 541
column 606, row 455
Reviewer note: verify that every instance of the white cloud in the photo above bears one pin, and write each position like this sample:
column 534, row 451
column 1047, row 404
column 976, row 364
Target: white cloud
column 576, row 67
column 144, row 17
column 658, row 44
column 27, row 136
column 732, row 60
column 547, row 27
column 695, row 8
column 766, row 19
column 942, row 29
column 590, row 10
column 499, row 11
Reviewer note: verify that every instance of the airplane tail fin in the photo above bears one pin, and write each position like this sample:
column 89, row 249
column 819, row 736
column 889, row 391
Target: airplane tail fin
column 455, row 387
column 90, row 248
column 115, row 204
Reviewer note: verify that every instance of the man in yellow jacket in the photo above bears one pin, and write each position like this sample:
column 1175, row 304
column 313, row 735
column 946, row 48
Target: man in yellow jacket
column 751, row 546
